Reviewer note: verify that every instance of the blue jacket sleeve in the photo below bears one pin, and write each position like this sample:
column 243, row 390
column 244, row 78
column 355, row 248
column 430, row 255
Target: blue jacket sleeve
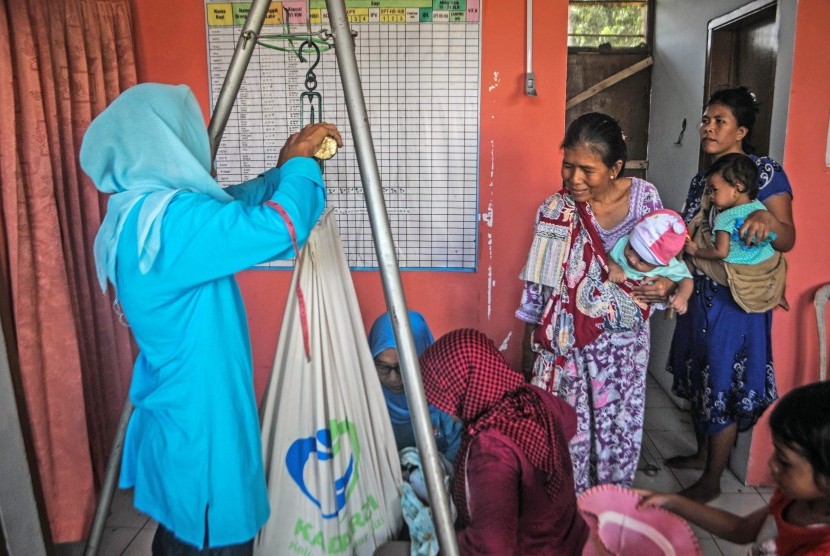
column 204, row 239
column 257, row 190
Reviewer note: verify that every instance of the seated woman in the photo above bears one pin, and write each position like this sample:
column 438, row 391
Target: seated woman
column 385, row 353
column 513, row 486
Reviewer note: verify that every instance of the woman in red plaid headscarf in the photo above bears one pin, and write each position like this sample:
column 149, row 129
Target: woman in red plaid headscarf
column 513, row 484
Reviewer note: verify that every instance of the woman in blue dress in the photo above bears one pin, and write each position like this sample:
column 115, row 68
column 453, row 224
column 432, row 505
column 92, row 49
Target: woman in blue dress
column 721, row 356
column 170, row 244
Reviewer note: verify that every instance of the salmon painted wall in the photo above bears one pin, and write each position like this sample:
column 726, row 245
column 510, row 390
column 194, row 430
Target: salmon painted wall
column 796, row 336
column 519, row 163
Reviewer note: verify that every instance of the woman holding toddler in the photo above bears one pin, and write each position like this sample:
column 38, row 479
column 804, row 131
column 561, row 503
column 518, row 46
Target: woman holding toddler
column 721, row 354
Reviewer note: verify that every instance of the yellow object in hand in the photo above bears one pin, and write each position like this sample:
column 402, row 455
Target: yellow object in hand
column 328, row 148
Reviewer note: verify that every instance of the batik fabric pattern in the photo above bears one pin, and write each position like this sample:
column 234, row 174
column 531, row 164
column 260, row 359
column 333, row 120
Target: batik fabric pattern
column 721, row 356
column 605, row 379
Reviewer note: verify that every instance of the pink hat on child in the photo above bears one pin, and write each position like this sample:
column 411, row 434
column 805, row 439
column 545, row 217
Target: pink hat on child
column 658, row 236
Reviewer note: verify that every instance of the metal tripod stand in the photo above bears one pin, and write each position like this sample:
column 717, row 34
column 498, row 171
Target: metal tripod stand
column 384, row 247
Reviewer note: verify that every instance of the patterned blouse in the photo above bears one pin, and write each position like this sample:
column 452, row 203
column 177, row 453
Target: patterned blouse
column 643, row 199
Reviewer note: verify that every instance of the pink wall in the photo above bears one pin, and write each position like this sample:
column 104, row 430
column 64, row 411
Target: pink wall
column 796, row 345
column 519, row 166
column 514, row 178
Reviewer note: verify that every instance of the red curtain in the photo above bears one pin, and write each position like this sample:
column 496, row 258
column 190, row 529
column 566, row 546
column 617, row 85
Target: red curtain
column 61, row 63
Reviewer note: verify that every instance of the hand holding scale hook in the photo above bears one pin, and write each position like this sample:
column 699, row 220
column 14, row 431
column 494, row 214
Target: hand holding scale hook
column 328, row 146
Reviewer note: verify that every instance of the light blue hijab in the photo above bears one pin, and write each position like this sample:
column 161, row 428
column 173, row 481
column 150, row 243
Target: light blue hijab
column 381, row 337
column 151, row 143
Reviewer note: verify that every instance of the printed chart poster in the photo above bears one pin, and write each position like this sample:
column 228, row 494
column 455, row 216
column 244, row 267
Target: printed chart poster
column 419, row 68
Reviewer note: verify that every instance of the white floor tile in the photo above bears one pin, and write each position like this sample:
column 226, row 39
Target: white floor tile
column 142, row 544
column 739, row 503
column 731, row 549
column 123, row 513
column 669, row 432
column 730, row 483
column 673, row 443
column 687, row 477
column 663, row 481
column 709, row 547
column 657, row 397
column 649, row 454
column 115, row 539
column 667, row 419
column 701, row 534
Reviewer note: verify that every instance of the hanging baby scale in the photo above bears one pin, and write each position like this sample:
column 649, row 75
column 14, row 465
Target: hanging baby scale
column 311, row 101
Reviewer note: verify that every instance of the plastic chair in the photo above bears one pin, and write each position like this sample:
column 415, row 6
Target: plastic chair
column 820, row 301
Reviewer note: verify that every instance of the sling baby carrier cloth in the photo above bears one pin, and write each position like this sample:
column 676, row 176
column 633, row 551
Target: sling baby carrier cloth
column 756, row 288
column 330, row 461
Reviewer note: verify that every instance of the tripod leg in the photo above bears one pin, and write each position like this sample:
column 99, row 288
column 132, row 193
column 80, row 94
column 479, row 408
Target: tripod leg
column 390, row 275
column 236, row 72
column 110, row 482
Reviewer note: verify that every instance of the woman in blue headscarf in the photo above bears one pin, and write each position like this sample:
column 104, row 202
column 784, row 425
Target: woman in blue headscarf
column 385, row 353
column 170, row 244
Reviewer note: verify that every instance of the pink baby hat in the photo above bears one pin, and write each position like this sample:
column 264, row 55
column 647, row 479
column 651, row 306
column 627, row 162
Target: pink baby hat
column 625, row 530
column 658, row 236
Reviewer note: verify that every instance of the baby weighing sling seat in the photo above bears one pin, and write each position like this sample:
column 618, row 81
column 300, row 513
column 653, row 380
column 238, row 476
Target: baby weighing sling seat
column 329, row 453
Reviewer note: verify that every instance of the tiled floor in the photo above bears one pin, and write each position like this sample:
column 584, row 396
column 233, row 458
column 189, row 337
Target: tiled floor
column 127, row 532
column 668, row 432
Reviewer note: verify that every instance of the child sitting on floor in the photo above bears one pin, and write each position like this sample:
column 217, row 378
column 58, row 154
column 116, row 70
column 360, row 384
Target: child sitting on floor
column 800, row 466
column 651, row 249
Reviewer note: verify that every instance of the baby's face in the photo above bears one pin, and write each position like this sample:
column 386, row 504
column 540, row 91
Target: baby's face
column 721, row 193
column 635, row 261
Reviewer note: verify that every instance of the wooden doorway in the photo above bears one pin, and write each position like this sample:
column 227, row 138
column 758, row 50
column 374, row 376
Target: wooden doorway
column 742, row 50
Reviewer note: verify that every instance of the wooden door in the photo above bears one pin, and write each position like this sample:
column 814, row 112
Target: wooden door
column 742, row 50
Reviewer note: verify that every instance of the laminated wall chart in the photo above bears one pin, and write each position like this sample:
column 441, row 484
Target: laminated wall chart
column 419, row 67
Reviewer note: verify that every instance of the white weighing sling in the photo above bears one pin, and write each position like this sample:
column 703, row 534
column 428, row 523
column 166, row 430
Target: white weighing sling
column 330, row 460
